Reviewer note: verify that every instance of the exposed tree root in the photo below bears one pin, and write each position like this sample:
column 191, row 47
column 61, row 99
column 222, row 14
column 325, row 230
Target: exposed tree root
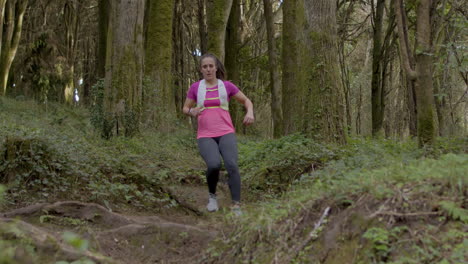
column 117, row 235
column 47, row 243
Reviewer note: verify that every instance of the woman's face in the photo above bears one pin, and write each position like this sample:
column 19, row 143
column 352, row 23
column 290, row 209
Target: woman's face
column 208, row 68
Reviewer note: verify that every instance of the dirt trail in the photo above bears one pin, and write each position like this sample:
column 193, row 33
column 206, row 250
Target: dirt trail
column 174, row 236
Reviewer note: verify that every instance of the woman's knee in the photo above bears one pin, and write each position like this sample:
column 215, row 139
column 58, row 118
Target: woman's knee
column 231, row 167
column 213, row 166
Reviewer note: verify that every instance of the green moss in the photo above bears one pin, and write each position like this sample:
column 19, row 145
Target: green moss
column 426, row 127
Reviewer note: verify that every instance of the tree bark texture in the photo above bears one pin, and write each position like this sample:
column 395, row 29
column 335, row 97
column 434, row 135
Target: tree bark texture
column 159, row 96
column 427, row 127
column 377, row 83
column 217, row 17
column 421, row 73
column 103, row 25
column 12, row 26
column 231, row 61
column 178, row 63
column 292, row 97
column 275, row 81
column 324, row 105
column 124, row 68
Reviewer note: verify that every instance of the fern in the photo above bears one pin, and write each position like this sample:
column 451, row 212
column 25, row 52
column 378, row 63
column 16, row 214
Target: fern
column 454, row 211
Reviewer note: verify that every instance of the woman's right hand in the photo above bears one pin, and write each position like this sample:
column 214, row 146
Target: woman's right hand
column 195, row 111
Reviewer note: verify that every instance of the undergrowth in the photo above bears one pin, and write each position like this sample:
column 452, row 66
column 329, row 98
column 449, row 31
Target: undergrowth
column 390, row 203
column 52, row 153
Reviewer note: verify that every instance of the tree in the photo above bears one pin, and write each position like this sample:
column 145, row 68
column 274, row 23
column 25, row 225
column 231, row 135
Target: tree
column 219, row 11
column 313, row 95
column 124, row 68
column 159, row 95
column 292, row 95
column 378, row 82
column 103, row 25
column 11, row 15
column 325, row 106
column 232, row 48
column 421, row 73
column 275, row 82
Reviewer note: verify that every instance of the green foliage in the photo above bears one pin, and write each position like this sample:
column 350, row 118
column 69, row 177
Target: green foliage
column 454, row 211
column 79, row 244
column 63, row 221
column 45, row 156
column 271, row 166
column 101, row 120
column 397, row 176
column 75, row 241
column 381, row 241
column 44, row 70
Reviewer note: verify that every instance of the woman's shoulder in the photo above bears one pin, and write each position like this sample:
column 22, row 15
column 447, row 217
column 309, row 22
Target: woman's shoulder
column 195, row 85
column 229, row 84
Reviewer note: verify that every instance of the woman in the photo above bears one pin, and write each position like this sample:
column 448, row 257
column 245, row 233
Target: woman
column 208, row 100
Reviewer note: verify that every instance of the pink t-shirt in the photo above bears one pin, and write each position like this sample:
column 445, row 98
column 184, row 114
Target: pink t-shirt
column 213, row 122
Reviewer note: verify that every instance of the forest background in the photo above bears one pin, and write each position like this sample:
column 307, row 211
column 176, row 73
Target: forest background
column 92, row 92
column 328, row 70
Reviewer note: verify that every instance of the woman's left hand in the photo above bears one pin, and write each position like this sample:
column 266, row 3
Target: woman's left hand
column 248, row 119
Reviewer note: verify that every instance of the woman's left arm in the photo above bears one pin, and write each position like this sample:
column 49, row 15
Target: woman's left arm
column 249, row 116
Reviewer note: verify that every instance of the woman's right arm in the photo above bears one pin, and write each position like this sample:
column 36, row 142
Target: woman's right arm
column 187, row 109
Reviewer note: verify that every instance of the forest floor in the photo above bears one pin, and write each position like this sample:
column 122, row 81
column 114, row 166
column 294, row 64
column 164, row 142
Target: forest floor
column 129, row 236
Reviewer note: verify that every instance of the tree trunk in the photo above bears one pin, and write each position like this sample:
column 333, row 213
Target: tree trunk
column 377, row 83
column 159, row 98
column 219, row 11
column 291, row 94
column 124, row 68
column 427, row 126
column 324, row 115
column 178, row 56
column 103, row 25
column 202, row 26
column 275, row 82
column 422, row 72
column 12, row 26
column 232, row 59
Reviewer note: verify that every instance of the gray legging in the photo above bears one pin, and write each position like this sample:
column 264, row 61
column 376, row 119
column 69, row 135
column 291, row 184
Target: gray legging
column 210, row 150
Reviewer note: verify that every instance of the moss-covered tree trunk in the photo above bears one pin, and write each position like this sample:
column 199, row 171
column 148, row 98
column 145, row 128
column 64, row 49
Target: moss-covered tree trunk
column 12, row 25
column 292, row 96
column 427, row 127
column 275, row 81
column 103, row 26
column 217, row 17
column 324, row 116
column 159, row 97
column 421, row 73
column 231, row 61
column 124, row 68
column 377, row 83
